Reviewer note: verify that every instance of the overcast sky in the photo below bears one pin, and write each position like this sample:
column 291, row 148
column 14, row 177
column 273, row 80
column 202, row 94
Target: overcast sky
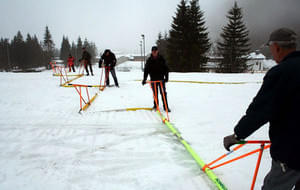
column 118, row 24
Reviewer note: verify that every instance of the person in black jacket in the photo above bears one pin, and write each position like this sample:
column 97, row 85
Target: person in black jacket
column 110, row 61
column 86, row 58
column 277, row 102
column 158, row 69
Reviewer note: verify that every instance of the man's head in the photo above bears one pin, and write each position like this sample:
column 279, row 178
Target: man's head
column 107, row 52
column 154, row 51
column 282, row 42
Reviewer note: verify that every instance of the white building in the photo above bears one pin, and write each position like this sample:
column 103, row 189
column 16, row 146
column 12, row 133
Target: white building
column 256, row 62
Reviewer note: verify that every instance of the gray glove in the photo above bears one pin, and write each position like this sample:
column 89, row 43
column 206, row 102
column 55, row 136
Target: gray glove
column 230, row 140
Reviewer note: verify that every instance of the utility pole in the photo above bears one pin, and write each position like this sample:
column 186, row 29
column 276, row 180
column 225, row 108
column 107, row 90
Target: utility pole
column 141, row 46
column 143, row 37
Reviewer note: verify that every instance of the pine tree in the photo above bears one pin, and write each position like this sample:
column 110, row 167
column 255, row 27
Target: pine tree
column 198, row 37
column 18, row 52
column 188, row 43
column 79, row 48
column 28, row 52
column 178, row 46
column 37, row 53
column 49, row 46
column 91, row 48
column 5, row 54
column 74, row 52
column 235, row 43
column 162, row 43
column 65, row 49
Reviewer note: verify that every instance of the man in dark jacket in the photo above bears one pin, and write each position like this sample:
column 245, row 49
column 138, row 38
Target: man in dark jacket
column 110, row 61
column 277, row 102
column 86, row 58
column 158, row 69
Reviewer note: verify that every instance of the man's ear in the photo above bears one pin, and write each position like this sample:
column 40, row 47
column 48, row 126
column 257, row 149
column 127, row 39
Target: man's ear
column 277, row 48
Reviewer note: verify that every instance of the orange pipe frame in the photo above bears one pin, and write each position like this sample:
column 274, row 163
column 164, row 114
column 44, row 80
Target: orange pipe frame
column 81, row 68
column 105, row 70
column 65, row 77
column 101, row 79
column 61, row 75
column 166, row 108
column 242, row 143
column 79, row 92
column 53, row 65
column 155, row 96
column 262, row 146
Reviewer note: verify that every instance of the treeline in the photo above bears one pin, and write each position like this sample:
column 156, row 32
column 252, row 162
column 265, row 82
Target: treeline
column 25, row 54
column 187, row 45
column 22, row 54
column 76, row 49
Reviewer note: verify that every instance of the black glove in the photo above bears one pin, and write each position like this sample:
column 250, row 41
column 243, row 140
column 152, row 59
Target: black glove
column 143, row 82
column 166, row 80
column 230, row 140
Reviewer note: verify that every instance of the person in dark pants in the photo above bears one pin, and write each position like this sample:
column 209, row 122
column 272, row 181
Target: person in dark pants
column 110, row 61
column 158, row 70
column 86, row 58
column 277, row 102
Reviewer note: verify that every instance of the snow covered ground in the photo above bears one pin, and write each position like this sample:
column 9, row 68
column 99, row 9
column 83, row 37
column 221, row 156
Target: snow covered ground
column 46, row 144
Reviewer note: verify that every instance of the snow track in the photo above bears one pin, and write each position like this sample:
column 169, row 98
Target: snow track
column 118, row 155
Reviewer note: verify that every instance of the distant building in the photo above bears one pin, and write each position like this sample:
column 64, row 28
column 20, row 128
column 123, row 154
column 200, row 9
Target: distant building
column 257, row 62
column 212, row 64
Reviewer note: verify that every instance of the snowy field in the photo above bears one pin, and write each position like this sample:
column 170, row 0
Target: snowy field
column 46, row 144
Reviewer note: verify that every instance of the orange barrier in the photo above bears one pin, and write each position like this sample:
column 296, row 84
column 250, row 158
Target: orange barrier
column 81, row 69
column 56, row 68
column 263, row 146
column 155, row 96
column 102, row 87
column 63, row 75
column 53, row 66
column 105, row 70
column 79, row 91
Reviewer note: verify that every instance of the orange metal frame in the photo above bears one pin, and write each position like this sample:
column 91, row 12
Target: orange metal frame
column 62, row 76
column 263, row 146
column 81, row 69
column 105, row 70
column 53, row 66
column 79, row 91
column 155, row 96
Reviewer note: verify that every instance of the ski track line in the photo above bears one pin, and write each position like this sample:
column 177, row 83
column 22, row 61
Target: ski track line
column 73, row 149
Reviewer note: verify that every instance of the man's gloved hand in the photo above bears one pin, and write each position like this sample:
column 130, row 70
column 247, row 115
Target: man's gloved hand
column 230, row 140
column 143, row 82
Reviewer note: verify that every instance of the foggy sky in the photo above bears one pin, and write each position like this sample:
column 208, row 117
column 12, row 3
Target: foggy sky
column 118, row 24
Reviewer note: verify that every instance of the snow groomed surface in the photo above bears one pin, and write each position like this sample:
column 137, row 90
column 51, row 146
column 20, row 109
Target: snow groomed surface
column 47, row 145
